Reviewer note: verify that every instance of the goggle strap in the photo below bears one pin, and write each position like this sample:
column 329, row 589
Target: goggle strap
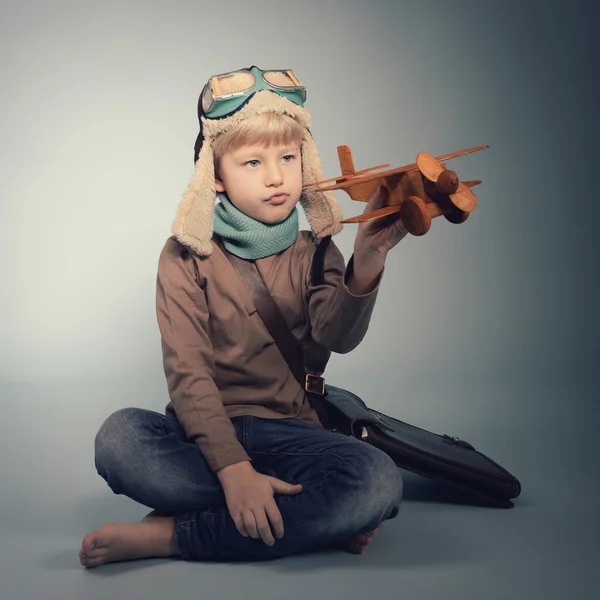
column 293, row 78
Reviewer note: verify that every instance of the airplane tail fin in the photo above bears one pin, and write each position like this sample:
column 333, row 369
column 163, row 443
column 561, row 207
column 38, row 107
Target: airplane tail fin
column 346, row 161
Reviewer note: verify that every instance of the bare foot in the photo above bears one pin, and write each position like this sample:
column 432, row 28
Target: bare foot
column 356, row 544
column 128, row 541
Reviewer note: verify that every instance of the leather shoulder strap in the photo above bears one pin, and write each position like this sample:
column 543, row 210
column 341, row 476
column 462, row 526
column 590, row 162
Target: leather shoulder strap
column 318, row 263
column 289, row 346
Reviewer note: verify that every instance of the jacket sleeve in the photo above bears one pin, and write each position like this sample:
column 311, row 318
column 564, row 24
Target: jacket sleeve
column 339, row 319
column 188, row 359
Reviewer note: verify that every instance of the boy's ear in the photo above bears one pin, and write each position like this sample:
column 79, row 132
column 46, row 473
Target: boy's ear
column 219, row 186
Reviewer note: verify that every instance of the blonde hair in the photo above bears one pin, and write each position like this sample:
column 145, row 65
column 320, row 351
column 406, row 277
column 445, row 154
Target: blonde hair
column 266, row 128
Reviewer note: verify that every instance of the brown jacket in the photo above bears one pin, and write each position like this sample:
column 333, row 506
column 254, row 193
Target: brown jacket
column 219, row 359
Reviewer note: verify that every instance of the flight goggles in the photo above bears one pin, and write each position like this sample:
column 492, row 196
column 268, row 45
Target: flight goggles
column 225, row 93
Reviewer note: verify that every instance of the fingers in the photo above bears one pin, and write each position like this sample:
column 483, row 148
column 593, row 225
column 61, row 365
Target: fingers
column 281, row 487
column 377, row 199
column 253, row 508
column 275, row 519
column 250, row 524
column 267, row 519
column 257, row 526
column 263, row 528
column 259, row 522
column 240, row 525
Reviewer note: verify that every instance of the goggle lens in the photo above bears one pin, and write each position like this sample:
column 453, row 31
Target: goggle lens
column 233, row 83
column 282, row 79
column 227, row 86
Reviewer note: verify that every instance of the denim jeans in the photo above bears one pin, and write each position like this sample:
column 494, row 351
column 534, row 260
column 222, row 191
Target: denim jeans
column 349, row 487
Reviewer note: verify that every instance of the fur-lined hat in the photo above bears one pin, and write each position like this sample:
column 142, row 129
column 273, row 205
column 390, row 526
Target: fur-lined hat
column 193, row 224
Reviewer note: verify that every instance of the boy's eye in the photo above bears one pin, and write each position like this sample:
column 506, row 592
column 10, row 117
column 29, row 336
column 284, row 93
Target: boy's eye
column 253, row 163
column 289, row 157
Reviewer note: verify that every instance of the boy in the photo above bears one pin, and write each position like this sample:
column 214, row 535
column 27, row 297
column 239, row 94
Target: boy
column 240, row 467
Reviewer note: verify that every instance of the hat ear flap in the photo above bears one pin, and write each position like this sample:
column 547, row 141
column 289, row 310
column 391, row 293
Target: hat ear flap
column 321, row 208
column 193, row 224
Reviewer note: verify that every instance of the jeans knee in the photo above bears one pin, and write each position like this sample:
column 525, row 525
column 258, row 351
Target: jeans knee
column 385, row 483
column 113, row 438
column 379, row 485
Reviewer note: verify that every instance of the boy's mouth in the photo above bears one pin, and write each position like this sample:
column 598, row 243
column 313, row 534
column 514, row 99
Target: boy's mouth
column 277, row 199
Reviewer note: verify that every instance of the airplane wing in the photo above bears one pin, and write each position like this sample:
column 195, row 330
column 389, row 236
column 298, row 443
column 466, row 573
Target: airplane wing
column 352, row 180
column 460, row 153
column 374, row 214
column 342, row 178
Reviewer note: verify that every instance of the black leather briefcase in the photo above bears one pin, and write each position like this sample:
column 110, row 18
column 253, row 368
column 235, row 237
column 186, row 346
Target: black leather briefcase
column 441, row 457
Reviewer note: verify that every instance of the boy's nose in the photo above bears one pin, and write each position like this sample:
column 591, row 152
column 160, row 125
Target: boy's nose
column 274, row 176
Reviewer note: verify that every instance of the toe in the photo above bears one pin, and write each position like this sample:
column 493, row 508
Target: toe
column 90, row 542
column 90, row 563
column 93, row 547
column 359, row 548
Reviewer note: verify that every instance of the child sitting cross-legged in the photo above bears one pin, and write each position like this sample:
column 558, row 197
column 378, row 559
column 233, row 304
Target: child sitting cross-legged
column 240, row 467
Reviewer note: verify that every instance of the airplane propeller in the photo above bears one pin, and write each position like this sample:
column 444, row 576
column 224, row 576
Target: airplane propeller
column 446, row 182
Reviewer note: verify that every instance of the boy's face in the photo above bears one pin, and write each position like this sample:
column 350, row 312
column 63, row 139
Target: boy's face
column 264, row 182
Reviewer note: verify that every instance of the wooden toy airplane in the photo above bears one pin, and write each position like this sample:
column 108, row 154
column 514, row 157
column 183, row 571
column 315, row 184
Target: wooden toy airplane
column 419, row 192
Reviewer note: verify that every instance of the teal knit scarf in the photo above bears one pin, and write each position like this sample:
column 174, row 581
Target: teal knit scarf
column 248, row 238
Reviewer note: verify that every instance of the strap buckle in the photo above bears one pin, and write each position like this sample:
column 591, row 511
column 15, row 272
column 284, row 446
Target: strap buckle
column 314, row 384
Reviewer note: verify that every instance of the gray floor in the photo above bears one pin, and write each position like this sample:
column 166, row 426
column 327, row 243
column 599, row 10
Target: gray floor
column 438, row 546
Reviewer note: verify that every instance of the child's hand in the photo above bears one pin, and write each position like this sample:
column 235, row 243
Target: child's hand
column 380, row 236
column 249, row 497
column 374, row 239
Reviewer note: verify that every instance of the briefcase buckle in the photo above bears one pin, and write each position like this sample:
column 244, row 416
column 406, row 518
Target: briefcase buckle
column 314, row 384
column 456, row 441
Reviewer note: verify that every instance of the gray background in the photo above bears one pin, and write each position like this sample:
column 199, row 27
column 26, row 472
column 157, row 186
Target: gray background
column 486, row 330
